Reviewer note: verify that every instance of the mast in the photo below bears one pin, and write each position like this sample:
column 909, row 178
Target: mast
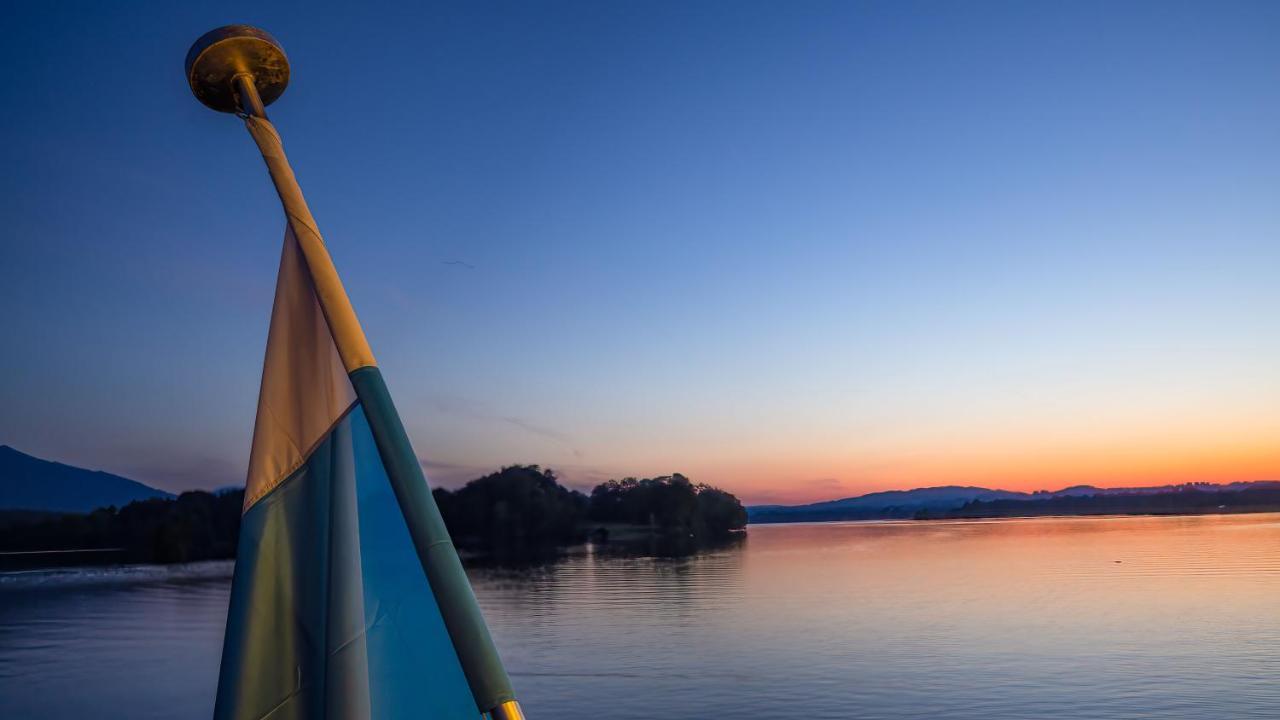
column 241, row 69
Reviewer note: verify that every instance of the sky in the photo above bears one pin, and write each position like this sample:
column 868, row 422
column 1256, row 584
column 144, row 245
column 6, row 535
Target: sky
column 797, row 250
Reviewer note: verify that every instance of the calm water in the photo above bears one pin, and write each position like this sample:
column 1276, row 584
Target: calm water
column 1063, row 618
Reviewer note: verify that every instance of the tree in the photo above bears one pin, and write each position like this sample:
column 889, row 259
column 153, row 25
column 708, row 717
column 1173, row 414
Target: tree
column 519, row 505
column 670, row 503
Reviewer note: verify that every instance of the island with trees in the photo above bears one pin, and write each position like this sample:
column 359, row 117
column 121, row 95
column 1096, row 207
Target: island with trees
column 525, row 506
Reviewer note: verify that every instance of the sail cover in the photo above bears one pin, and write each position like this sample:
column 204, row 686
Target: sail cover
column 331, row 613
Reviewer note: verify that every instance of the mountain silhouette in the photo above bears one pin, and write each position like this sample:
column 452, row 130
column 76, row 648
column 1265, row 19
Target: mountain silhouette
column 898, row 504
column 29, row 483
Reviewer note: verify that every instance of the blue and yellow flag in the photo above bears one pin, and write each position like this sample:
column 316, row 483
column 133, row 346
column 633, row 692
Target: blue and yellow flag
column 348, row 600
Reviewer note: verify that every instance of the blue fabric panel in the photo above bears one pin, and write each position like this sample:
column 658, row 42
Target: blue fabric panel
column 413, row 667
column 331, row 616
column 490, row 684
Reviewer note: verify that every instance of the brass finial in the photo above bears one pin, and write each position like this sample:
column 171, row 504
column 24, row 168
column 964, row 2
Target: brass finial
column 219, row 56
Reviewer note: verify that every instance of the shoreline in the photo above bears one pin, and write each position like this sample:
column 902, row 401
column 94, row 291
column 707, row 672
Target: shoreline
column 1033, row 516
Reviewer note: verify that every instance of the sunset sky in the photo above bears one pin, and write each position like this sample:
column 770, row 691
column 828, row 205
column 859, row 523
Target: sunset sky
column 797, row 250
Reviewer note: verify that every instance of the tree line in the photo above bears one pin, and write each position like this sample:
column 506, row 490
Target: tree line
column 521, row 506
column 671, row 502
column 526, row 505
column 193, row 526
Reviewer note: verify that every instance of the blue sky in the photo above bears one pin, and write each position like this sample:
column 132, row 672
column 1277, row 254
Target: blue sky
column 799, row 250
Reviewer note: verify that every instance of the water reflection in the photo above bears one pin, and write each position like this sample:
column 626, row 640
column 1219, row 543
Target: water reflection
column 668, row 546
column 1064, row 618
column 139, row 642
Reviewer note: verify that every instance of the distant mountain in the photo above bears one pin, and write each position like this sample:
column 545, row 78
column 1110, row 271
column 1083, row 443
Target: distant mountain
column 940, row 501
column 879, row 505
column 29, row 483
column 1190, row 499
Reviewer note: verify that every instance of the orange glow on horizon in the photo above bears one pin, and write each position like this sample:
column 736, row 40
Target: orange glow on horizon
column 1024, row 468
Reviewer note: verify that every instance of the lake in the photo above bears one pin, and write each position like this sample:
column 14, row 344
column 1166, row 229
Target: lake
column 1170, row 617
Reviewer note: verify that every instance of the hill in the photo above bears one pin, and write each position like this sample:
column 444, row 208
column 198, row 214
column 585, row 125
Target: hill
column 1191, row 499
column 947, row 501
column 877, row 506
column 29, row 483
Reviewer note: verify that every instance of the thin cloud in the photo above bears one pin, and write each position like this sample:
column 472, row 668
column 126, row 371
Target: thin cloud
column 469, row 409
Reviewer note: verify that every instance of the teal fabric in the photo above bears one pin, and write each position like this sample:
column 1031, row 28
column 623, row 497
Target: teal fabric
column 489, row 682
column 331, row 616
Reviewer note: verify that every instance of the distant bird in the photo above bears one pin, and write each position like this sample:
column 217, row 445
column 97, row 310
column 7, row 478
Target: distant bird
column 466, row 265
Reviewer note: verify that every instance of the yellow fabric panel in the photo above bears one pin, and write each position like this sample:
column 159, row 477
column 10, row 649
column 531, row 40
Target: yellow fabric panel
column 305, row 388
column 352, row 345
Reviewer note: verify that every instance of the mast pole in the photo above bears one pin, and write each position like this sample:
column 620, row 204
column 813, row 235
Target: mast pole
column 242, row 69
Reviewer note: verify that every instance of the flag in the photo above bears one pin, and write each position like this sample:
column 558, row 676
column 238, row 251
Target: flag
column 348, row 600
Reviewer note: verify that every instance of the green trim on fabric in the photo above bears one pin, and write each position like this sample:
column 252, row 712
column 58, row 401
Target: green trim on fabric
column 457, row 602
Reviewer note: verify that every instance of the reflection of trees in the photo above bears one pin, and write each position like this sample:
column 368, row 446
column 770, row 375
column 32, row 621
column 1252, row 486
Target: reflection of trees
column 671, row 545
